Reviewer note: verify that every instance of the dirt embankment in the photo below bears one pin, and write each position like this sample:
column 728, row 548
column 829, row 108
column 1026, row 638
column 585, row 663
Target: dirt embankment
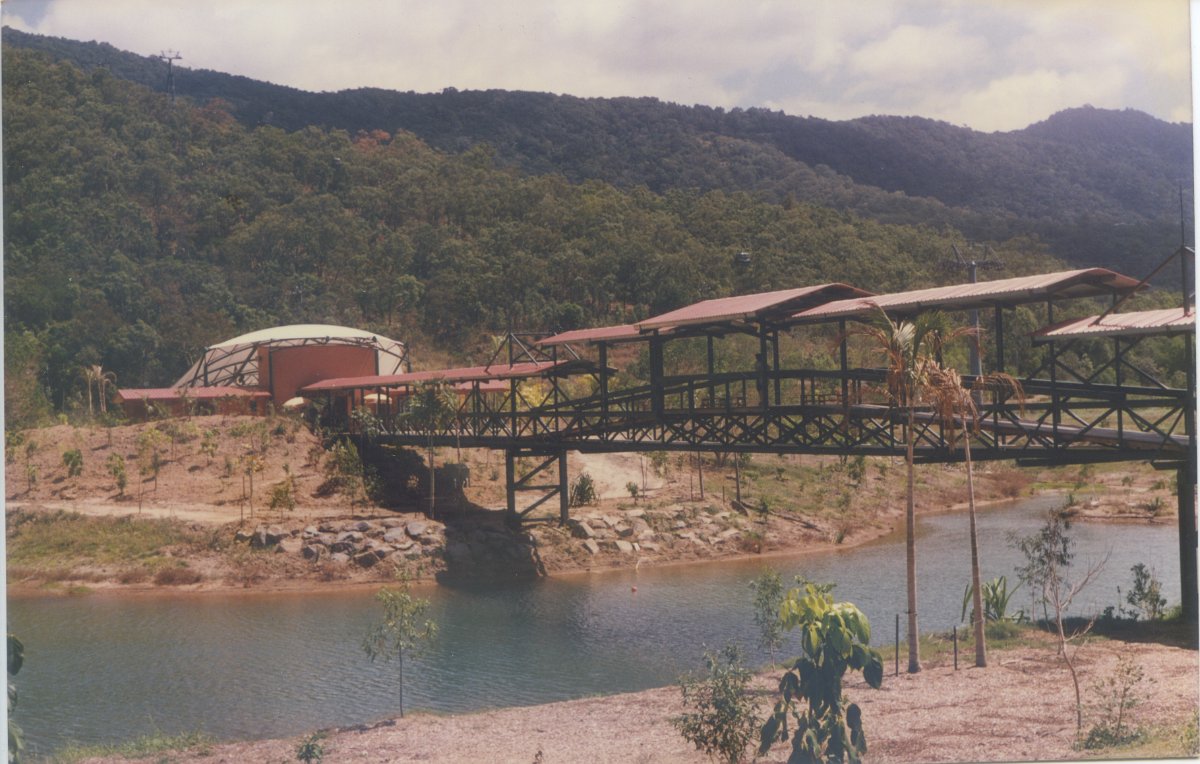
column 252, row 503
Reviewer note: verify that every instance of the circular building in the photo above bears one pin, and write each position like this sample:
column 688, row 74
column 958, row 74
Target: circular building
column 268, row 366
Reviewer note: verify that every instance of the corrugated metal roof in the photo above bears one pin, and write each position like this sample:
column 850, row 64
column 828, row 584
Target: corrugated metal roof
column 1163, row 321
column 1084, row 282
column 745, row 307
column 748, row 306
column 623, row 332
column 464, row 374
column 194, row 393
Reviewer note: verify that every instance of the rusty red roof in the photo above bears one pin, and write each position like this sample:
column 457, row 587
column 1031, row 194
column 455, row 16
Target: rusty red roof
column 1164, row 321
column 464, row 374
column 623, row 332
column 750, row 306
column 1085, row 282
column 130, row 394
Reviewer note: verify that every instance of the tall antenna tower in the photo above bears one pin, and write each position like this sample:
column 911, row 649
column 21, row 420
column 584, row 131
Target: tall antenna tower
column 170, row 56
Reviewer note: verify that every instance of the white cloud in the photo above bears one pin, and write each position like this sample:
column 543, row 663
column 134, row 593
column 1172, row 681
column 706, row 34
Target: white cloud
column 986, row 63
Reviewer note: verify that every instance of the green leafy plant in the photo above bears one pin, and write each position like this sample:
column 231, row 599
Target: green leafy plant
column 583, row 490
column 283, row 494
column 73, row 461
column 721, row 719
column 311, row 749
column 996, row 597
column 1145, row 597
column 116, row 468
column 403, row 632
column 633, row 489
column 835, row 637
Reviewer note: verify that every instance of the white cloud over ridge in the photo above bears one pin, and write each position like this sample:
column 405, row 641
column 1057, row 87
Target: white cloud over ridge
column 990, row 64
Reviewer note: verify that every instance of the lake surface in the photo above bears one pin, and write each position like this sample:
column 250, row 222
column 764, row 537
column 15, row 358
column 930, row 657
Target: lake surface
column 107, row 668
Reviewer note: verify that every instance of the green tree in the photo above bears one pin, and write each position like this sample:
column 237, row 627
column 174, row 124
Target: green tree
column 768, row 597
column 403, row 632
column 835, row 637
column 910, row 350
column 721, row 720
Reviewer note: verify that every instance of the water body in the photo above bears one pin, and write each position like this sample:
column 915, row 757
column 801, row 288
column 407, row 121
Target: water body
column 107, row 668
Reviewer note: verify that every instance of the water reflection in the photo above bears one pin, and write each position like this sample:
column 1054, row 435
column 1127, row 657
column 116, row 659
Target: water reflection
column 107, row 668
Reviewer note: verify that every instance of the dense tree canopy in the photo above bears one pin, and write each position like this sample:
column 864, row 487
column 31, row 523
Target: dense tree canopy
column 138, row 231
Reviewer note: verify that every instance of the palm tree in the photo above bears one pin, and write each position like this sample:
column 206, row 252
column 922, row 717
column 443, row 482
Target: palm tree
column 432, row 407
column 953, row 403
column 910, row 349
column 96, row 375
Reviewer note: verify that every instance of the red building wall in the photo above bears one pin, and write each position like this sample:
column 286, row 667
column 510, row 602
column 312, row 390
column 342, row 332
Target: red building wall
column 289, row 369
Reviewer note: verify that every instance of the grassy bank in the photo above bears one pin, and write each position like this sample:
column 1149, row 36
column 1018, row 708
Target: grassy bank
column 68, row 546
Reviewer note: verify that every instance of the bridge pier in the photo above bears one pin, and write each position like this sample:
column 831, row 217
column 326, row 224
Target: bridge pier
column 1186, row 489
column 516, row 484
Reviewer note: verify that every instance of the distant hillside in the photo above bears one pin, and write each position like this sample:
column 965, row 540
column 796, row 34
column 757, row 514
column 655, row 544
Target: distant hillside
column 1099, row 186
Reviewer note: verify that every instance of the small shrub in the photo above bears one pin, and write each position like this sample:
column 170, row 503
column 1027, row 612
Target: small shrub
column 721, row 719
column 116, row 468
column 632, row 487
column 73, row 461
column 583, row 490
column 174, row 576
column 1145, row 598
column 133, row 576
column 1118, row 693
column 283, row 495
column 310, row 749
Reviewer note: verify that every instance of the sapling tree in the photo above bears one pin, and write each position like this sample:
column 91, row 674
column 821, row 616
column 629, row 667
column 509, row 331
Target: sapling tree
column 768, row 597
column 720, row 719
column 1048, row 554
column 403, row 633
column 116, row 468
column 834, row 637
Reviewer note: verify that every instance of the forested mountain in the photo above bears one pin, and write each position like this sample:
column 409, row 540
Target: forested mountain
column 1099, row 187
column 138, row 231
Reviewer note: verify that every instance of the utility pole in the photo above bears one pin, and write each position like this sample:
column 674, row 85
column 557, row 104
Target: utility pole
column 972, row 267
column 170, row 56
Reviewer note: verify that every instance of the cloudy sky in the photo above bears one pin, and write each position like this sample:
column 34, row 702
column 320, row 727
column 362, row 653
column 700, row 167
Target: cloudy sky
column 989, row 64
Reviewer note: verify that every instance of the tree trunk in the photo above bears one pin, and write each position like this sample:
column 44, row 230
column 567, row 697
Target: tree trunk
column 910, row 545
column 400, row 655
column 977, row 597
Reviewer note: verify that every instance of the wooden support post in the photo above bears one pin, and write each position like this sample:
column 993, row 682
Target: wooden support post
column 1186, row 489
column 510, row 484
column 778, row 381
column 761, row 363
column 656, row 376
column 564, row 489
